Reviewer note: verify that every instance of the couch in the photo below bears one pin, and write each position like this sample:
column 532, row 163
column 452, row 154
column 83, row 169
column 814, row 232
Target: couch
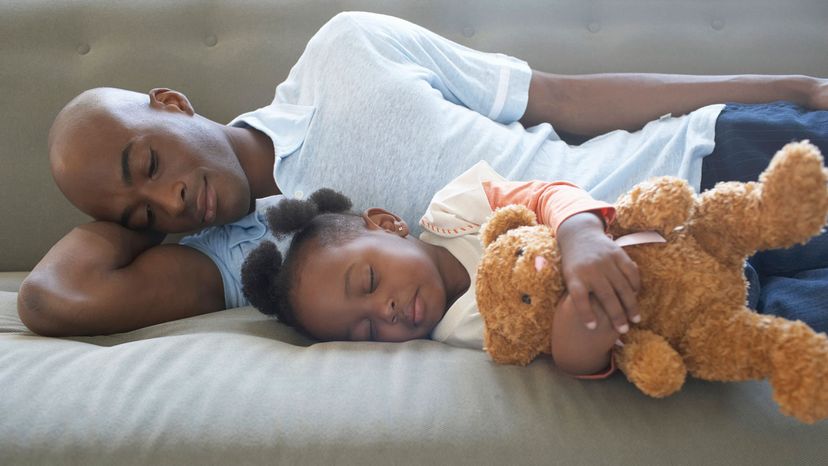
column 235, row 387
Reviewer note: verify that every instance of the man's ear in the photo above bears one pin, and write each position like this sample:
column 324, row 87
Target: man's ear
column 377, row 218
column 168, row 99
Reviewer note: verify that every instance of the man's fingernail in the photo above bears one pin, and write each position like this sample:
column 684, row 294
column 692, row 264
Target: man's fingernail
column 618, row 342
column 624, row 328
column 636, row 319
column 592, row 325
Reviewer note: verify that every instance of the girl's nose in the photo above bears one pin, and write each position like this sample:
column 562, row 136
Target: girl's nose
column 388, row 310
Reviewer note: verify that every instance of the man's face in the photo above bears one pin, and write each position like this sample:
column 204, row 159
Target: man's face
column 147, row 163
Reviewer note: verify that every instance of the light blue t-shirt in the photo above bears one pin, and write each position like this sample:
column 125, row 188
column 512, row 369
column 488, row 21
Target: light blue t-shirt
column 388, row 112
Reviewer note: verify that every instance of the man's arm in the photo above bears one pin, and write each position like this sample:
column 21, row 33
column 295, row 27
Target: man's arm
column 102, row 278
column 589, row 105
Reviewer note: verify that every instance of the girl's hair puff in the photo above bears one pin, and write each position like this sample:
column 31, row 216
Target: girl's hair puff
column 267, row 277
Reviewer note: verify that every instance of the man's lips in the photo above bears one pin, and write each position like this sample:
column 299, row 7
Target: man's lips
column 206, row 204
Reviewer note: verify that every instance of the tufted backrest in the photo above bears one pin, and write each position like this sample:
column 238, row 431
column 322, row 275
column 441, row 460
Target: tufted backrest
column 228, row 56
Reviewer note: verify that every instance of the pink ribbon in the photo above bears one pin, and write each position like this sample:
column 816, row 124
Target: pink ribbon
column 641, row 237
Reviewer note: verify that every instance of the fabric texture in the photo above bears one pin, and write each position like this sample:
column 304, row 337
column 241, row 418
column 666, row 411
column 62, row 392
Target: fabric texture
column 388, row 112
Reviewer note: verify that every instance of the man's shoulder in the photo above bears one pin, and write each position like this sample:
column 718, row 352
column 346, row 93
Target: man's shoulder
column 334, row 31
column 359, row 20
column 356, row 28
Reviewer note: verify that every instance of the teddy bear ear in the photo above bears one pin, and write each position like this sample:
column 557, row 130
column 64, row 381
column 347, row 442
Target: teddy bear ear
column 505, row 219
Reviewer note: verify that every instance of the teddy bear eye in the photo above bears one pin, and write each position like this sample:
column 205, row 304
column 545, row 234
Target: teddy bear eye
column 519, row 252
column 526, row 299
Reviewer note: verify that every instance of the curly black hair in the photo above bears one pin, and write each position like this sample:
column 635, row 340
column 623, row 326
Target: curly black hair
column 267, row 277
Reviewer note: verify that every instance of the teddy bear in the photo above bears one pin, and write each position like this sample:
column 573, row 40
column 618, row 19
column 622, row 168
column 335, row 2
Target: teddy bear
column 693, row 290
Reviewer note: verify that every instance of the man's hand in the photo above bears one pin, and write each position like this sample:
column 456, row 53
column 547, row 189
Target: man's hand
column 593, row 265
column 817, row 98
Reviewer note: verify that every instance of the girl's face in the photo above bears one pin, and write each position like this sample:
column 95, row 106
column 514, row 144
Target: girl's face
column 379, row 286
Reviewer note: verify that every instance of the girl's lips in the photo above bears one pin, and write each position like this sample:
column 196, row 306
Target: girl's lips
column 417, row 310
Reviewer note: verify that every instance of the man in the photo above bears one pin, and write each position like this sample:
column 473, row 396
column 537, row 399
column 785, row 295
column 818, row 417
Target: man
column 376, row 107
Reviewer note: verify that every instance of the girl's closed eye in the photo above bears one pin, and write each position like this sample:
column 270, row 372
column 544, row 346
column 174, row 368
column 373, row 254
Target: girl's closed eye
column 371, row 280
column 153, row 164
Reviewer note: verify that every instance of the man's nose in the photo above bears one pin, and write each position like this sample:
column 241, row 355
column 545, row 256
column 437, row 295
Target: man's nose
column 172, row 199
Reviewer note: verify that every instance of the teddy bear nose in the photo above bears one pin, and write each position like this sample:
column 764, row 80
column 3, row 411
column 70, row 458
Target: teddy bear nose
column 540, row 263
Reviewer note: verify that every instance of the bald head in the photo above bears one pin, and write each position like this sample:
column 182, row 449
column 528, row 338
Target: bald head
column 146, row 161
column 80, row 123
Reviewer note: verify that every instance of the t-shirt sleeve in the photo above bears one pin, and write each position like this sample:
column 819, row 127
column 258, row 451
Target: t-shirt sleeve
column 214, row 242
column 460, row 207
column 492, row 84
column 552, row 202
column 228, row 246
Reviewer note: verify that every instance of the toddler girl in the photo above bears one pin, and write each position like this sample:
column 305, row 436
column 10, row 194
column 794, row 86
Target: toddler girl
column 362, row 276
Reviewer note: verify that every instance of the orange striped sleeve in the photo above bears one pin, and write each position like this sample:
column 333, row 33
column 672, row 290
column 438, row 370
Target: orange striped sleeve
column 552, row 202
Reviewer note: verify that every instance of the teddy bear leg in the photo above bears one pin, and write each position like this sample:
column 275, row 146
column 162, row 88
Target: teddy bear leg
column 800, row 372
column 650, row 363
column 746, row 345
column 727, row 346
column 659, row 204
column 788, row 205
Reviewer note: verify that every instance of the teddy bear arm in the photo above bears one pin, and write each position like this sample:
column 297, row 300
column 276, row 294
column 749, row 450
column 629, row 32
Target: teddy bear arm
column 788, row 205
column 650, row 363
column 659, row 204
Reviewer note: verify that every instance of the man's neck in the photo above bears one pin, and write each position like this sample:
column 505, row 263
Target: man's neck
column 254, row 150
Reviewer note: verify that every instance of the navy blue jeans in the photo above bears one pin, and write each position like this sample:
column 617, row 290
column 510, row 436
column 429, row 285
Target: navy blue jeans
column 791, row 283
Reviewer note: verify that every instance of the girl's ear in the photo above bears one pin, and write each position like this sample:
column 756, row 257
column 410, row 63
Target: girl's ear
column 377, row 218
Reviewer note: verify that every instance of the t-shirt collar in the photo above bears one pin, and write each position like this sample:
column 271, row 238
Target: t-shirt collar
column 286, row 124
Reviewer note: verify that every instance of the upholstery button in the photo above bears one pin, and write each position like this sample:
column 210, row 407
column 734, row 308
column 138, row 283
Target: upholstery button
column 298, row 194
column 83, row 49
column 594, row 26
column 210, row 40
column 718, row 24
column 468, row 31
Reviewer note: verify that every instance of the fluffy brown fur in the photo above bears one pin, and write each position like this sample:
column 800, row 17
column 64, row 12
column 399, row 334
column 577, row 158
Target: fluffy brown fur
column 693, row 292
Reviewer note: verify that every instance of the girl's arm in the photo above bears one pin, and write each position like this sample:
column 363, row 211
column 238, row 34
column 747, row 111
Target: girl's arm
column 594, row 104
column 593, row 265
column 577, row 350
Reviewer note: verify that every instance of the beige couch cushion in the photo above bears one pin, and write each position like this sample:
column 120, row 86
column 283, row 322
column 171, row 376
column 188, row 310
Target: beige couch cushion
column 236, row 388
